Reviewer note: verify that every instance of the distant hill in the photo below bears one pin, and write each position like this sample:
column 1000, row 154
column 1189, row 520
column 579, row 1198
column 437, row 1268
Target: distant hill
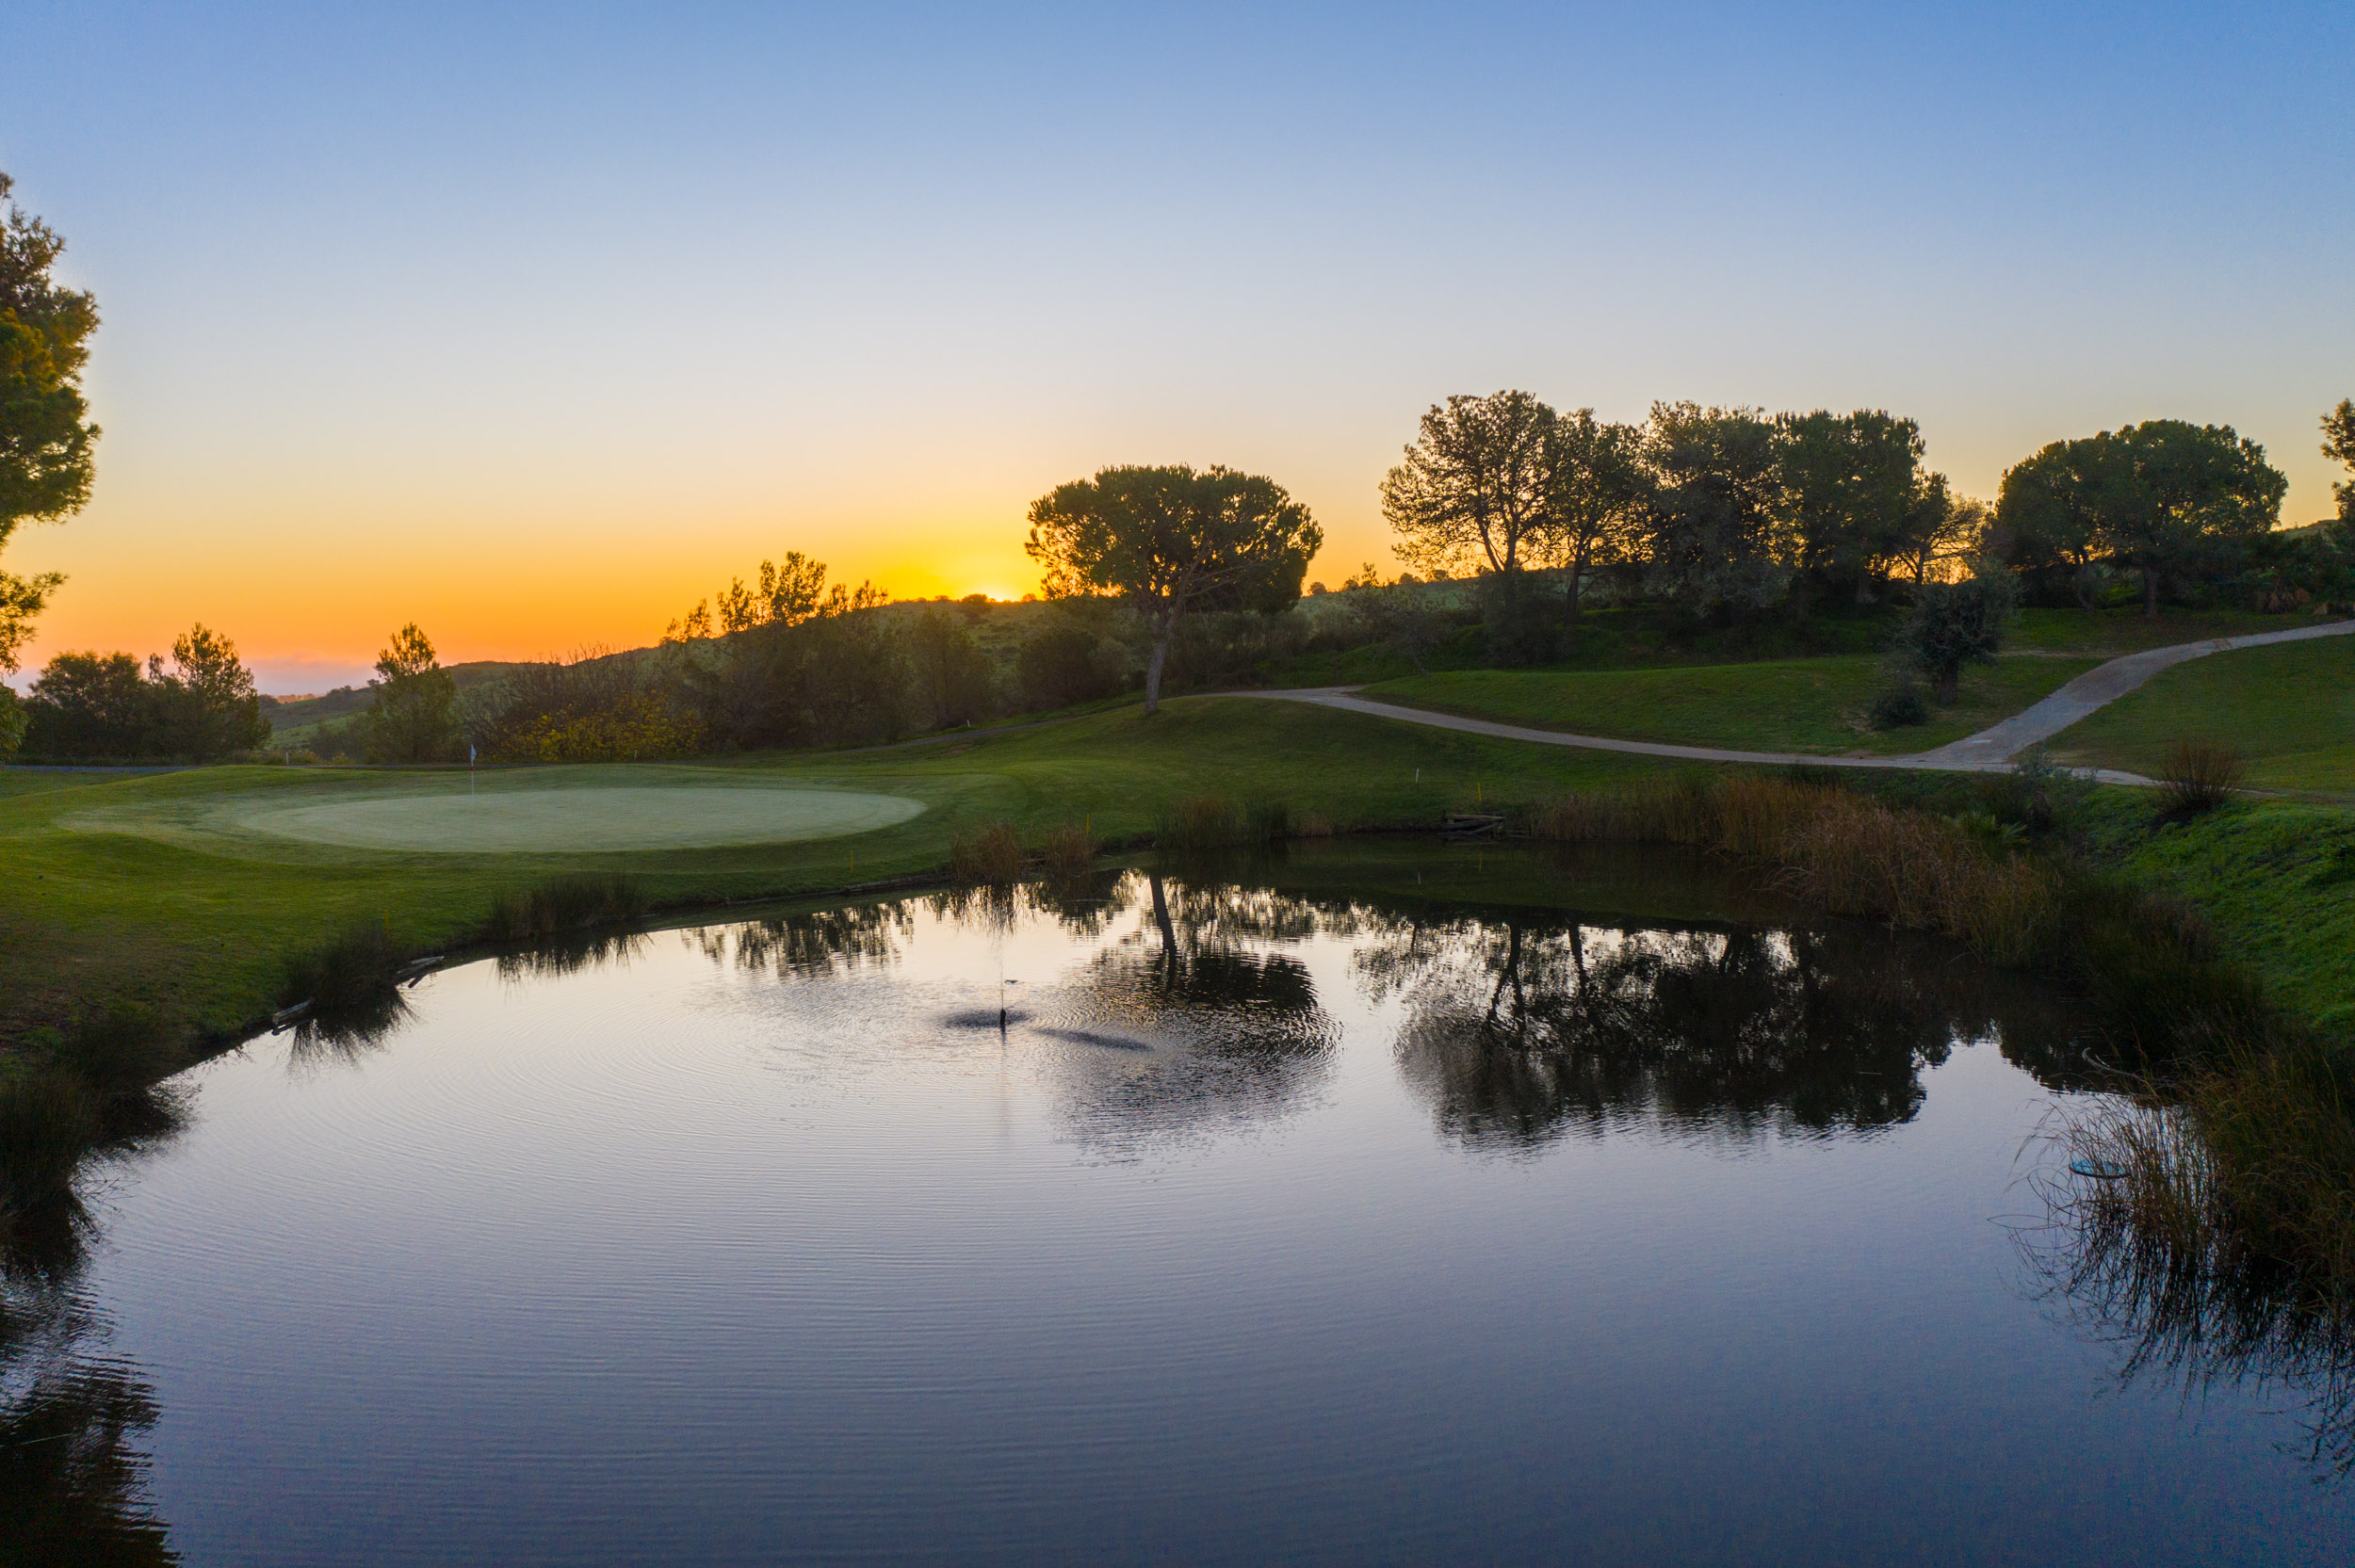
column 345, row 701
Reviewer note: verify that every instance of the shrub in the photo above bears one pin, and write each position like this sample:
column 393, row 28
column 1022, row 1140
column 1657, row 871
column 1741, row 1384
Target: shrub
column 1899, row 705
column 991, row 855
column 1953, row 624
column 2199, row 777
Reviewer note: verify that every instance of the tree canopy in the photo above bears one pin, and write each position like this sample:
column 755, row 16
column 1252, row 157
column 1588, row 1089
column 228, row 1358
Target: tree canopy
column 2163, row 498
column 1596, row 494
column 2338, row 442
column 91, row 704
column 1715, row 530
column 1168, row 541
column 1473, row 490
column 46, row 438
column 1852, row 486
column 409, row 718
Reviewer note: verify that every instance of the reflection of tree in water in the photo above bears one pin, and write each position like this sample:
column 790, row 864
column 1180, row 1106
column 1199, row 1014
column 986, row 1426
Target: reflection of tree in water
column 815, row 945
column 71, row 1475
column 1182, row 1025
column 1520, row 1031
column 2155, row 1264
column 571, row 953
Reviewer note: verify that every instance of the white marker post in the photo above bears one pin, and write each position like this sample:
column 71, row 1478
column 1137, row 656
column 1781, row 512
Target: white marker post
column 470, row 771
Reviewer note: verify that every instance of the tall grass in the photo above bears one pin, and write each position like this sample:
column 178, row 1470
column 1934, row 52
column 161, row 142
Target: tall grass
column 2199, row 776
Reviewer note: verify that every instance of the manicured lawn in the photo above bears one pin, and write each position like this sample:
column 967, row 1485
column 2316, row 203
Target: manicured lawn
column 1780, row 705
column 2290, row 709
column 160, row 888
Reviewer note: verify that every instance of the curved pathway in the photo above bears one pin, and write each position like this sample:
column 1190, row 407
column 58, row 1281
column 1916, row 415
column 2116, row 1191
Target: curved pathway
column 1988, row 751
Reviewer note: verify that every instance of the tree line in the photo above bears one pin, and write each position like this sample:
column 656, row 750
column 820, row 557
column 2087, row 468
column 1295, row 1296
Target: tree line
column 1732, row 513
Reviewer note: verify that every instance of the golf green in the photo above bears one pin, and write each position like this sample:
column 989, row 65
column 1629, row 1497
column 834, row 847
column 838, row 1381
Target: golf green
column 584, row 819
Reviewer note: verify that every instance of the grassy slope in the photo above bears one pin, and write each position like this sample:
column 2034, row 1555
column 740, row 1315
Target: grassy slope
column 2290, row 709
column 142, row 885
column 1790, row 704
column 2276, row 877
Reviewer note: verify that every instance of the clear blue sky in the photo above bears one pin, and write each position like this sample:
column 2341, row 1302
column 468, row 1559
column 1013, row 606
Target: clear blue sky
column 535, row 323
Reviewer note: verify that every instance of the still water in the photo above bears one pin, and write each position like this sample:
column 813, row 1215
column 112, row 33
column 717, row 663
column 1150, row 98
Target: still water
column 1291, row 1216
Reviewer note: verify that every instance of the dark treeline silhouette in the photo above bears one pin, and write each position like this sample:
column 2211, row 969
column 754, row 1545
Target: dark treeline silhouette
column 1727, row 515
column 88, row 706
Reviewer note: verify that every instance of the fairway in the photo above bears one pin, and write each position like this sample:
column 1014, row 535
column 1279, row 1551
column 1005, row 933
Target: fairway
column 582, row 820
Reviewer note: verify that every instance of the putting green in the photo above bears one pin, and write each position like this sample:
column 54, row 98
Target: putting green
column 585, row 819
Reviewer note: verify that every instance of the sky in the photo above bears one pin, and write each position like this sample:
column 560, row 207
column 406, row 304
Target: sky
column 536, row 324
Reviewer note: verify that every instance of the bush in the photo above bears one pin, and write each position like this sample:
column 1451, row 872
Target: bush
column 1954, row 624
column 1520, row 620
column 2199, row 777
column 1068, row 663
column 992, row 855
column 1899, row 705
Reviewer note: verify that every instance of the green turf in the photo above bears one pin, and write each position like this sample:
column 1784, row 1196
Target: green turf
column 1815, row 705
column 2289, row 709
column 178, row 904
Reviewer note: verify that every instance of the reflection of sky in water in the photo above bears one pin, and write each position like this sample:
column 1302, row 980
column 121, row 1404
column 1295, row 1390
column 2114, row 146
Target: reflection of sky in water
column 764, row 1241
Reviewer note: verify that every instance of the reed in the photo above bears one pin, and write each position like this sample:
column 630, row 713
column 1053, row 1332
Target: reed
column 990, row 856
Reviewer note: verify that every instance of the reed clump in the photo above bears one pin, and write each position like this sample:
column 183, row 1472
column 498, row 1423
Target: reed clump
column 990, row 856
column 75, row 1097
column 353, row 968
column 1069, row 851
column 562, row 905
column 2199, row 776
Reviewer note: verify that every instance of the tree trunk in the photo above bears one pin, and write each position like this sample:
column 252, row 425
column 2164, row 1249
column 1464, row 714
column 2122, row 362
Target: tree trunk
column 1153, row 662
column 2150, row 593
column 1949, row 684
column 1578, row 569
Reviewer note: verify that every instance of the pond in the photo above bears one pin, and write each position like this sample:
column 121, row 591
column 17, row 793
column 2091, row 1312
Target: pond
column 1397, row 1204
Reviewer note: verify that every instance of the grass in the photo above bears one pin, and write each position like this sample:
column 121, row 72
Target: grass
column 150, row 888
column 2288, row 709
column 1810, row 706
